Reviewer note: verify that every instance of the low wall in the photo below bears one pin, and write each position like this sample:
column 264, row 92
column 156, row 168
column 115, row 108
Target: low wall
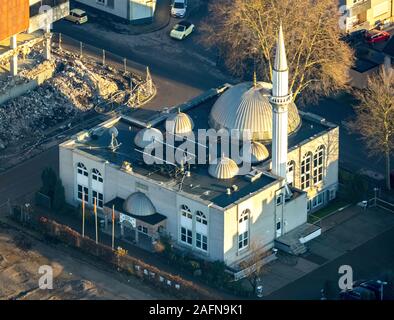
column 21, row 89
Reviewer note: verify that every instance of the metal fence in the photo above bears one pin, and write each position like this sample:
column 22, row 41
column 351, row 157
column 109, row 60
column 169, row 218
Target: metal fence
column 99, row 55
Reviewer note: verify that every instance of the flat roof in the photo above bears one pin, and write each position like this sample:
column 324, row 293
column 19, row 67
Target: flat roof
column 199, row 184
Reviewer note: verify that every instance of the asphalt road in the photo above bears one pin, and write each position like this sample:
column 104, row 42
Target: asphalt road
column 372, row 260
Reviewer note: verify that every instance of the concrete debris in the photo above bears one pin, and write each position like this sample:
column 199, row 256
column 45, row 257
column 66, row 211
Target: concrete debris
column 77, row 87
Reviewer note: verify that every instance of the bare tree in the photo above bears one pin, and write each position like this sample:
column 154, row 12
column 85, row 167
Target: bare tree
column 253, row 265
column 375, row 116
column 245, row 31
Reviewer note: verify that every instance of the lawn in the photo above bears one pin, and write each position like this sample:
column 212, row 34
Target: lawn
column 330, row 208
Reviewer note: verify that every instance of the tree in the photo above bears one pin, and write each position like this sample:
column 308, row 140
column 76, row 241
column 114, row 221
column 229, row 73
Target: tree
column 254, row 265
column 375, row 116
column 245, row 31
column 59, row 199
column 48, row 178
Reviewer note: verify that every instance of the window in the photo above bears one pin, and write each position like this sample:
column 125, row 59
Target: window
column 81, row 169
column 186, row 236
column 279, row 199
column 243, row 240
column 306, row 172
column 278, row 225
column 99, row 199
column 83, row 191
column 143, row 229
column 290, row 173
column 318, row 160
column 318, row 200
column 243, row 229
column 201, row 242
column 186, row 212
column 96, row 175
column 201, row 218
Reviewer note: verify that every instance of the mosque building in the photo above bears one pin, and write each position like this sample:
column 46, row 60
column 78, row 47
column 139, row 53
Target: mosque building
column 214, row 210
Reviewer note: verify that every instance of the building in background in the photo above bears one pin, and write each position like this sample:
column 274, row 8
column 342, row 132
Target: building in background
column 134, row 11
column 366, row 14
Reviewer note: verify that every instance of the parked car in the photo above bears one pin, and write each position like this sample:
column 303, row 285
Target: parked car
column 376, row 36
column 181, row 30
column 178, row 8
column 77, row 16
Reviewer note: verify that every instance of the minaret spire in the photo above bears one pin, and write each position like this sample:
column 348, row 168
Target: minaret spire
column 280, row 99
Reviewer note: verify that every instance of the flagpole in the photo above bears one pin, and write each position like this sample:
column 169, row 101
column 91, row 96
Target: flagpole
column 113, row 227
column 83, row 214
column 95, row 218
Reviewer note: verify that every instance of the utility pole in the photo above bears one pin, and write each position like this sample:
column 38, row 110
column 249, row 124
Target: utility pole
column 95, row 218
column 113, row 227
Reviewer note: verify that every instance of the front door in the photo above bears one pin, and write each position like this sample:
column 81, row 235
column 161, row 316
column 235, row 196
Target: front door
column 278, row 229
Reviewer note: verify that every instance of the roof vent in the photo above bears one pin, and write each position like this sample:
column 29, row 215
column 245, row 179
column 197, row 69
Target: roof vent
column 228, row 191
column 253, row 175
column 234, row 187
column 126, row 166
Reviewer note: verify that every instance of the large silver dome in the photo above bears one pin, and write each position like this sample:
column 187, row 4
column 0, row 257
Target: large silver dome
column 146, row 136
column 139, row 204
column 247, row 107
column 225, row 168
column 179, row 123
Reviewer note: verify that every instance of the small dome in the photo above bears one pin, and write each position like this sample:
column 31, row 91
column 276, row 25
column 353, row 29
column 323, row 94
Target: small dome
column 225, row 168
column 179, row 123
column 139, row 204
column 146, row 136
column 258, row 152
column 247, row 107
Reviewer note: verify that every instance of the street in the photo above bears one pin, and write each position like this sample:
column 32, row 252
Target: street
column 372, row 260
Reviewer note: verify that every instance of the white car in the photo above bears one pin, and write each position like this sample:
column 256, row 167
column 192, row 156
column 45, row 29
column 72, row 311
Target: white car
column 178, row 8
column 77, row 16
column 181, row 30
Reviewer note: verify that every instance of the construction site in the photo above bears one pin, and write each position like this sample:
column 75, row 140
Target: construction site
column 55, row 90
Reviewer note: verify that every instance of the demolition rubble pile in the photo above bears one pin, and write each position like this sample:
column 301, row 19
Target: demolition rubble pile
column 77, row 87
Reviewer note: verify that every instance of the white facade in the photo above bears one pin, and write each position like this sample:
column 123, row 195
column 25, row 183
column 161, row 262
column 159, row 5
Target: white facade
column 131, row 10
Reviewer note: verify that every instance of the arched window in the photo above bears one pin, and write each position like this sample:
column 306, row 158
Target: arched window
column 290, row 173
column 96, row 175
column 201, row 217
column 186, row 212
column 318, row 165
column 306, row 171
column 243, row 229
column 81, row 169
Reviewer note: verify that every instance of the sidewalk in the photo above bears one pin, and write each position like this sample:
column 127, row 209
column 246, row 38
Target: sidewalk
column 161, row 19
column 345, row 231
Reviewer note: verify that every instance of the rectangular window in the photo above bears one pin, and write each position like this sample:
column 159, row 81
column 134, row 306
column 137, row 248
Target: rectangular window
column 99, row 199
column 279, row 199
column 186, row 236
column 201, row 242
column 243, row 240
column 83, row 191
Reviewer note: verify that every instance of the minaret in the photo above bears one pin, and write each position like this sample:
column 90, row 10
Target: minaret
column 280, row 99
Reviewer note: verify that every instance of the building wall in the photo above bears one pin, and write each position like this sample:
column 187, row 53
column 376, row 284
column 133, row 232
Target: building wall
column 330, row 141
column 14, row 17
column 365, row 13
column 56, row 13
column 126, row 9
column 261, row 225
